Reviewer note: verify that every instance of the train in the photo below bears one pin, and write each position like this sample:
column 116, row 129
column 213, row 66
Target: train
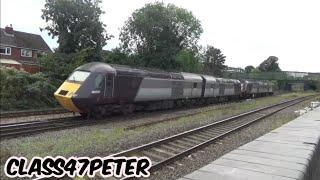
column 98, row 89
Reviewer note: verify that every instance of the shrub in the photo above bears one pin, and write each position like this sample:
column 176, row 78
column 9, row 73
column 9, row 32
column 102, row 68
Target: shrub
column 21, row 90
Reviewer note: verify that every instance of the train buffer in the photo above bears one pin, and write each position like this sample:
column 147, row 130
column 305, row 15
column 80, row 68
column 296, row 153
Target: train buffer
column 291, row 151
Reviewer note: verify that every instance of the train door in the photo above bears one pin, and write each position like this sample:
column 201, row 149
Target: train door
column 194, row 89
column 221, row 89
column 213, row 88
column 177, row 89
column 109, row 90
column 237, row 88
column 98, row 88
column 249, row 88
column 204, row 84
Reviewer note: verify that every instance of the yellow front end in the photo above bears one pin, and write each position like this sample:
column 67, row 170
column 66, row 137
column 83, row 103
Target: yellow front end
column 65, row 93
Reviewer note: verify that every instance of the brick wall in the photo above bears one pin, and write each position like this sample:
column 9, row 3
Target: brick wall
column 31, row 68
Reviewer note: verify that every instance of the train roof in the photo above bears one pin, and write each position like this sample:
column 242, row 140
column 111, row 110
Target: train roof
column 96, row 67
column 209, row 78
column 228, row 80
column 258, row 82
column 102, row 67
column 191, row 76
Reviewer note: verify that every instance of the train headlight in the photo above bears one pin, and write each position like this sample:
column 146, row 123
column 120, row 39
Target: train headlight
column 95, row 92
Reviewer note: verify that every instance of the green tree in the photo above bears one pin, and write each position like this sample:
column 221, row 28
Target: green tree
column 255, row 70
column 158, row 32
column 188, row 61
column 248, row 69
column 58, row 66
column 213, row 61
column 270, row 65
column 117, row 56
column 76, row 23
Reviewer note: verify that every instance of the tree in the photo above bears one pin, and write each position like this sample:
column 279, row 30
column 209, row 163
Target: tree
column 248, row 69
column 255, row 70
column 213, row 61
column 57, row 69
column 189, row 61
column 76, row 23
column 117, row 56
column 270, row 65
column 157, row 33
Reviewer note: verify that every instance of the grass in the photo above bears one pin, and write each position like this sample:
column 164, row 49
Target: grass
column 101, row 140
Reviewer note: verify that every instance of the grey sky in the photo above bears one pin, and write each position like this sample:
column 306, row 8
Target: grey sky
column 247, row 31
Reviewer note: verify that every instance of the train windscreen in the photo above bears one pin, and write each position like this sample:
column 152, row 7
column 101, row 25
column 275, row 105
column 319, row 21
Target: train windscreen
column 78, row 76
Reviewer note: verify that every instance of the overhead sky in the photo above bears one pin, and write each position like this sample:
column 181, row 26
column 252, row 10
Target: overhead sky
column 247, row 31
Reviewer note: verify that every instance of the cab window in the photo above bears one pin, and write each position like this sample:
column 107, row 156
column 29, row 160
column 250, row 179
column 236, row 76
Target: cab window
column 99, row 82
column 79, row 76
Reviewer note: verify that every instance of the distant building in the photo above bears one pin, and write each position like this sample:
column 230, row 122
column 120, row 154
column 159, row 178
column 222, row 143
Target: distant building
column 297, row 74
column 21, row 50
column 233, row 69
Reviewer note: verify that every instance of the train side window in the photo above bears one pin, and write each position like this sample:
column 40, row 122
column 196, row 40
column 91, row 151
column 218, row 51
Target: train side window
column 99, row 82
column 194, row 85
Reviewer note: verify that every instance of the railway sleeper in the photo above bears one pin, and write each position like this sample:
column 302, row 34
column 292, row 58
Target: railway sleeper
column 201, row 136
column 159, row 153
column 216, row 131
column 204, row 135
column 190, row 140
column 177, row 145
column 168, row 153
column 197, row 138
column 153, row 157
column 175, row 149
column 185, row 143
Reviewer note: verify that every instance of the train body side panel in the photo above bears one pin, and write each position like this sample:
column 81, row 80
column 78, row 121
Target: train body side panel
column 152, row 89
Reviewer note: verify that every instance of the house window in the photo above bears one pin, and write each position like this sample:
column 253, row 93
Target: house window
column 26, row 53
column 5, row 50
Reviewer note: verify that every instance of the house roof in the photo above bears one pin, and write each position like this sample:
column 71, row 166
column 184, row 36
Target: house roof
column 24, row 40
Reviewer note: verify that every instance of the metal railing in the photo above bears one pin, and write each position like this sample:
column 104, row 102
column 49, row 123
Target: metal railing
column 283, row 75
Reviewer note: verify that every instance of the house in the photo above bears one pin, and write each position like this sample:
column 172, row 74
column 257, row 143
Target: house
column 21, row 50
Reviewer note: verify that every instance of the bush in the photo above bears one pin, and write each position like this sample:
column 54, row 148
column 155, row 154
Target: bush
column 21, row 90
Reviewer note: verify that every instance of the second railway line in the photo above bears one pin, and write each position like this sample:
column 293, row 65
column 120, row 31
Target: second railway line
column 27, row 128
column 27, row 113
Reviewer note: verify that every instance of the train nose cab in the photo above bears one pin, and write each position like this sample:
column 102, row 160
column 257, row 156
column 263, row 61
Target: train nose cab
column 68, row 90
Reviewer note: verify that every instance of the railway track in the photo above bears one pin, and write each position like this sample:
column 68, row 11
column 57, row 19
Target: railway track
column 32, row 127
column 170, row 149
column 10, row 130
column 25, row 113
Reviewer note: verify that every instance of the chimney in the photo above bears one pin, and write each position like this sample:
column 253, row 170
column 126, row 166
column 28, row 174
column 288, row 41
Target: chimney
column 9, row 29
